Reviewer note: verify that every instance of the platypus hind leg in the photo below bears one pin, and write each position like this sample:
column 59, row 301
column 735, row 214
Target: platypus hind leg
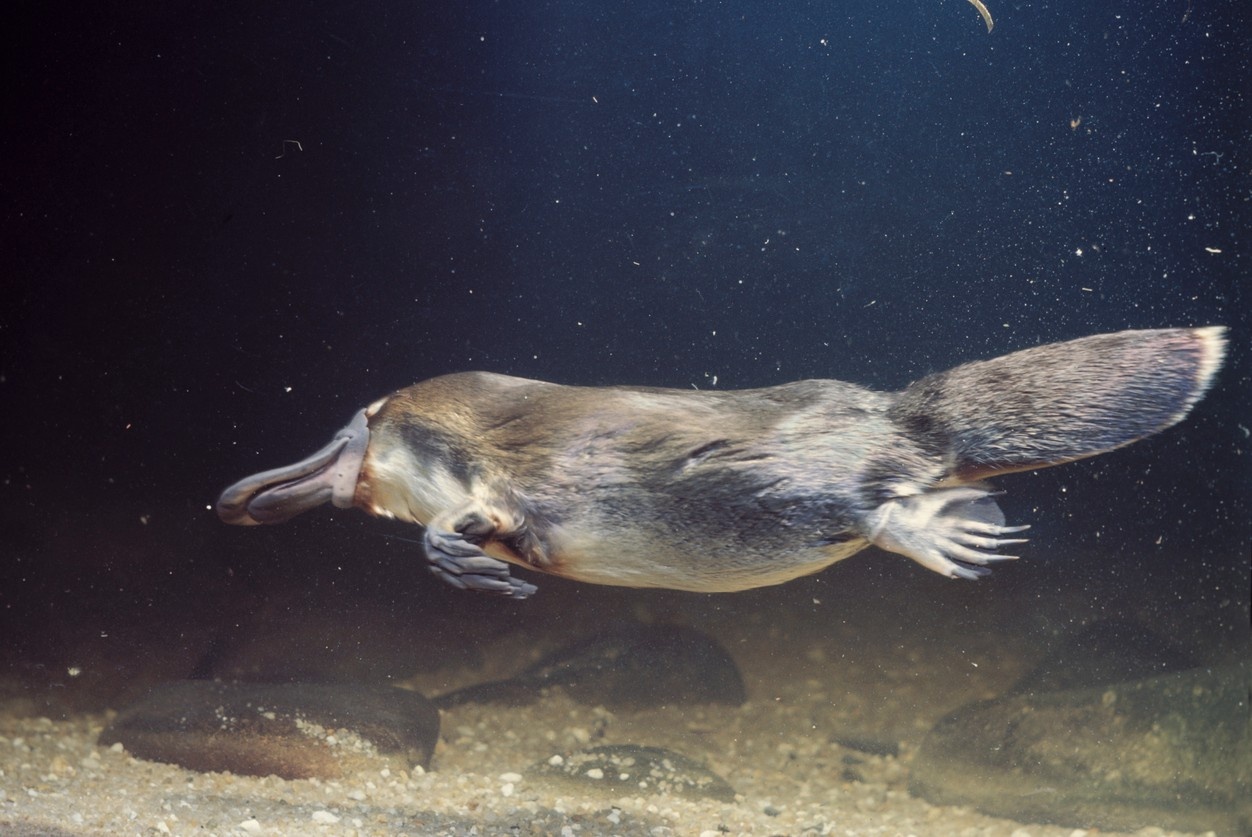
column 948, row 530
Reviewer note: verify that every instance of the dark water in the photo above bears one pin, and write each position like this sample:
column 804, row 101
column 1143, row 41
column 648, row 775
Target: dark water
column 228, row 227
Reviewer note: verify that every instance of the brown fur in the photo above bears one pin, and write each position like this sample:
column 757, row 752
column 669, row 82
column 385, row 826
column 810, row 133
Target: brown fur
column 714, row 491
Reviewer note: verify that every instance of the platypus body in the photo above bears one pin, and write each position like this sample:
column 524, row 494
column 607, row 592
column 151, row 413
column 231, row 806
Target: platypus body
column 728, row 490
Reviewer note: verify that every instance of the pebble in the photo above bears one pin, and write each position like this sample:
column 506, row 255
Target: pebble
column 633, row 770
column 252, row 826
column 325, row 818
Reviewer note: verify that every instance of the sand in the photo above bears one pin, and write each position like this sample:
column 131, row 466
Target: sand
column 818, row 671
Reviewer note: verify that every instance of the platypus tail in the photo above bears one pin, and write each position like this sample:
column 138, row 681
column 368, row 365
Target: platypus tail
column 1063, row 401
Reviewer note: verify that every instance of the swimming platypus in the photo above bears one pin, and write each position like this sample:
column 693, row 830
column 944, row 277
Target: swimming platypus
column 728, row 490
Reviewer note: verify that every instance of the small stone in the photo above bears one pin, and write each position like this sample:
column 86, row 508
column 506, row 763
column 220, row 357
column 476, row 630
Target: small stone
column 325, row 818
column 510, row 777
column 633, row 770
column 252, row 826
column 506, row 789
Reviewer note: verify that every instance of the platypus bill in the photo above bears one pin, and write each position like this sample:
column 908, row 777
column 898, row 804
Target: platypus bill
column 728, row 490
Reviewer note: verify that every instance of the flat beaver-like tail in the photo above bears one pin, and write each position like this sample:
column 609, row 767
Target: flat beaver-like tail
column 1063, row 401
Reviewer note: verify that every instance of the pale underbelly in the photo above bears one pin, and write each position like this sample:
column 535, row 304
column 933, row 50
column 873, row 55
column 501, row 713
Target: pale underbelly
column 637, row 561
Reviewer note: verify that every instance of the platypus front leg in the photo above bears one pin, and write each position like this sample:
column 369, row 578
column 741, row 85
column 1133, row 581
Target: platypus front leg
column 453, row 544
column 945, row 530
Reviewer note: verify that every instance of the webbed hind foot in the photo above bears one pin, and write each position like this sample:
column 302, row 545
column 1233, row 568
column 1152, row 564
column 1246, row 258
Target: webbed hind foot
column 953, row 531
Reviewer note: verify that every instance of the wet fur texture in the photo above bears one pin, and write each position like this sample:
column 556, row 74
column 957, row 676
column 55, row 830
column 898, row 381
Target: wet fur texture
column 728, row 490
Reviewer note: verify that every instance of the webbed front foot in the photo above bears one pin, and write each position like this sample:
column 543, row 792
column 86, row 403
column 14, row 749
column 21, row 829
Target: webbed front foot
column 456, row 556
column 953, row 531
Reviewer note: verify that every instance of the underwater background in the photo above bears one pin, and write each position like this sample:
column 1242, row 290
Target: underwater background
column 229, row 226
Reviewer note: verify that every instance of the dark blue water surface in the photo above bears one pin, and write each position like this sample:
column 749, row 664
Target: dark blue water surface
column 228, row 226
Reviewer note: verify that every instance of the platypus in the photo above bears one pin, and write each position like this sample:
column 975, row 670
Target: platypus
column 729, row 490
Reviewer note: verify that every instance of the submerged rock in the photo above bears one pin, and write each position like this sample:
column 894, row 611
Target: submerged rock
column 869, row 744
column 631, row 667
column 632, row 770
column 1107, row 651
column 291, row 730
column 1173, row 751
column 318, row 637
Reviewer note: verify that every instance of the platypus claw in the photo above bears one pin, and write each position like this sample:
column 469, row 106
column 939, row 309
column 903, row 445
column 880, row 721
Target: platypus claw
column 464, row 565
column 953, row 531
column 508, row 586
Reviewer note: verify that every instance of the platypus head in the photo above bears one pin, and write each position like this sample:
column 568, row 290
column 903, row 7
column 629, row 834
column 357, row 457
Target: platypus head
column 278, row 495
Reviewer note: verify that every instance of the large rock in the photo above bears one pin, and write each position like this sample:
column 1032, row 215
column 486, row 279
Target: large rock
column 1106, row 651
column 316, row 637
column 1173, row 751
column 292, row 730
column 630, row 667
